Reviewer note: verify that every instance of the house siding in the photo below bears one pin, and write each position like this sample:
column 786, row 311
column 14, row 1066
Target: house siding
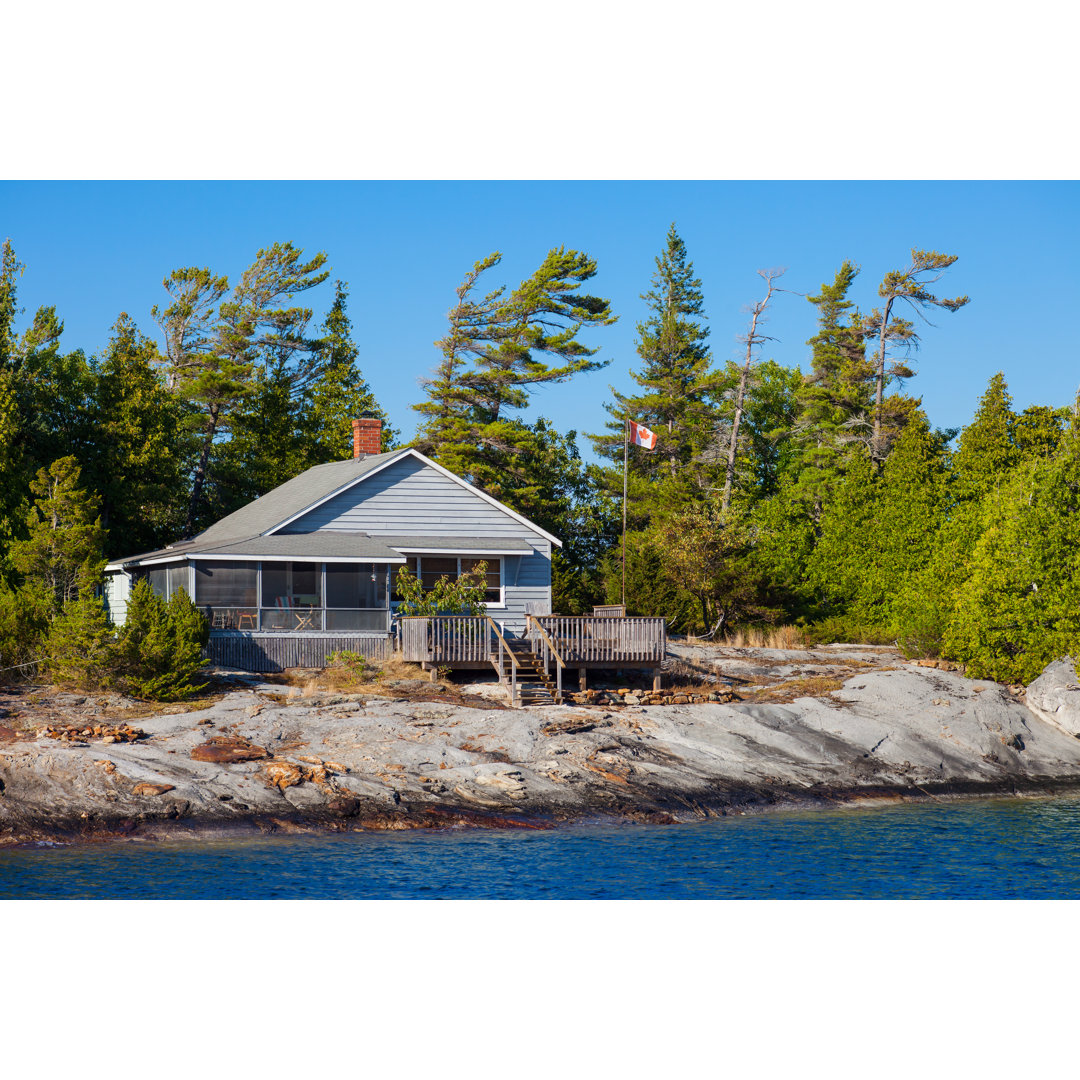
column 115, row 594
column 410, row 498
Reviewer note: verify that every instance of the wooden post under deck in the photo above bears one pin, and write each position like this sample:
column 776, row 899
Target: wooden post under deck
column 581, row 679
column 656, row 680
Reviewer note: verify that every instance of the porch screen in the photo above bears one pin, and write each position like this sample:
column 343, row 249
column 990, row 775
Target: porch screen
column 159, row 581
column 291, row 585
column 178, row 579
column 355, row 585
column 226, row 584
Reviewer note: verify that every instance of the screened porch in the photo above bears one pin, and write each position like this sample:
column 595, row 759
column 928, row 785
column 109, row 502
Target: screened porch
column 283, row 596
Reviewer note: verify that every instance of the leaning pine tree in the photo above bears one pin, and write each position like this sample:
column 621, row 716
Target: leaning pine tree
column 498, row 348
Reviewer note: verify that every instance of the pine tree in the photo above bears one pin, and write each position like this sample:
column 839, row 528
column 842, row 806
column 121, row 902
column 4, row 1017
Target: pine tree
column 676, row 373
column 143, row 450
column 64, row 548
column 215, row 342
column 340, row 393
column 907, row 286
column 79, row 646
column 836, row 398
column 497, row 350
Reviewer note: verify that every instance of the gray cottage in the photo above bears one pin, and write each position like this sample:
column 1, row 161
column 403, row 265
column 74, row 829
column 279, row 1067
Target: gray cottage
column 309, row 567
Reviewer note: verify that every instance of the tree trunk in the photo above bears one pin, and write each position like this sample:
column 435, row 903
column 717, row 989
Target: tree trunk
column 200, row 474
column 752, row 339
column 876, row 444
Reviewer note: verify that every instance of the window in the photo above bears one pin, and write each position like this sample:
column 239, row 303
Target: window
column 433, row 567
column 493, row 589
column 178, row 579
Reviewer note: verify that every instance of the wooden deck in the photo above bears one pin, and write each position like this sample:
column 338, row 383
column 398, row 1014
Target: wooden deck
column 573, row 641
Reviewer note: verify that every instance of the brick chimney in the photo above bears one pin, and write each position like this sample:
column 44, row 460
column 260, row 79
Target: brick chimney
column 366, row 436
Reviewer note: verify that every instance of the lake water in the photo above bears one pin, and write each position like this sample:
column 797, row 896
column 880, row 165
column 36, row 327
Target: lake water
column 980, row 849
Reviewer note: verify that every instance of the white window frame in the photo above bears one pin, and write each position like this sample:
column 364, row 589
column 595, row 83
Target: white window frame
column 477, row 556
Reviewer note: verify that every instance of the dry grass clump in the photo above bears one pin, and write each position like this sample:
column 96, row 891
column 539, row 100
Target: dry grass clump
column 812, row 686
column 349, row 675
column 767, row 637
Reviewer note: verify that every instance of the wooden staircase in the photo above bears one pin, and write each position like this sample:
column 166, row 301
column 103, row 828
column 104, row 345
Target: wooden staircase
column 534, row 685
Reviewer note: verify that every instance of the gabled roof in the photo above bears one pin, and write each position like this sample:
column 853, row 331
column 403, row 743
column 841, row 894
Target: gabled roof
column 292, row 498
column 251, row 531
column 380, row 462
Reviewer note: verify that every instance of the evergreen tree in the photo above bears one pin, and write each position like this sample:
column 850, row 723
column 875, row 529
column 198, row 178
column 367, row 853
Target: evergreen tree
column 64, row 548
column 24, row 622
column 836, row 398
column 1019, row 608
column 159, row 648
column 340, row 393
column 144, row 449
column 676, row 373
column 907, row 286
column 1039, row 430
column 987, row 448
column 79, row 647
column 496, row 351
column 215, row 342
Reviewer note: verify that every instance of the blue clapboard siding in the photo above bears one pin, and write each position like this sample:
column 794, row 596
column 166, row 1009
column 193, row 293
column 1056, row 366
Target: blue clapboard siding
column 410, row 498
column 116, row 591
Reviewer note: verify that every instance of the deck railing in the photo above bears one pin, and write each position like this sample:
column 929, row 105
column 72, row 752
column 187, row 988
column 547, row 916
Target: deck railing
column 590, row 639
column 446, row 639
column 575, row 639
column 549, row 651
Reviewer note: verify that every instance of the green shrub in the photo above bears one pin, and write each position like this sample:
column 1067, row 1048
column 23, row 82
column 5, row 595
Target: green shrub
column 353, row 664
column 846, row 629
column 24, row 622
column 80, row 647
column 463, row 596
column 160, row 646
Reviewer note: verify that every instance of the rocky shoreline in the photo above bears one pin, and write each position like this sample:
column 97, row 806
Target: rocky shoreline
column 775, row 730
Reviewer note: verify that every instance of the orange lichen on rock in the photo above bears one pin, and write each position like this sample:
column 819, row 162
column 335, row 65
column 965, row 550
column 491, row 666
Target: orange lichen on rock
column 227, row 750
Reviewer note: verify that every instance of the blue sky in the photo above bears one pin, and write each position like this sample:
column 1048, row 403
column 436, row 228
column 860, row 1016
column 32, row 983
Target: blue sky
column 95, row 249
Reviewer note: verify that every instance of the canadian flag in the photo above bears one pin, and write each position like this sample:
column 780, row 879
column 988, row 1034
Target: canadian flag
column 642, row 436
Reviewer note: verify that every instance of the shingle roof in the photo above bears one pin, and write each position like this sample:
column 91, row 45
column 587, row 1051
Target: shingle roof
column 242, row 532
column 315, row 545
column 292, row 497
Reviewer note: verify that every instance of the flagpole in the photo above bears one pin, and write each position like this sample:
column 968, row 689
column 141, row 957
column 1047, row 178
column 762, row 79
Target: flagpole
column 625, row 456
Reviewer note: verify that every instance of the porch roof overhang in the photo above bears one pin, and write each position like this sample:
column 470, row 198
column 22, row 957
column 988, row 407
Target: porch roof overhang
column 459, row 545
column 302, row 547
